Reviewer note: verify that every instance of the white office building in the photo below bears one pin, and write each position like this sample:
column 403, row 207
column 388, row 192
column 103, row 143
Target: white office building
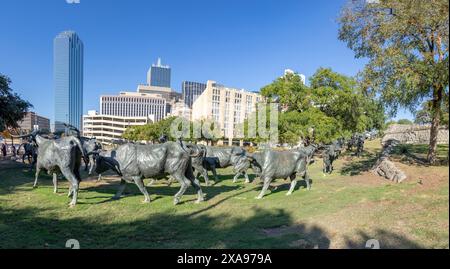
column 108, row 128
column 228, row 107
column 132, row 104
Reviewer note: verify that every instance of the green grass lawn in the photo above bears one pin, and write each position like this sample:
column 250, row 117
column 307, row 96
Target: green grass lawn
column 343, row 210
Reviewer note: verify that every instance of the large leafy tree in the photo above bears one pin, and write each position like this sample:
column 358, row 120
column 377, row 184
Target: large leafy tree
column 12, row 107
column 289, row 91
column 340, row 97
column 333, row 106
column 310, row 124
column 153, row 131
column 149, row 132
column 406, row 42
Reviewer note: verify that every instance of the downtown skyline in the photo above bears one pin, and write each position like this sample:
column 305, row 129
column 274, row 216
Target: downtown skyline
column 248, row 50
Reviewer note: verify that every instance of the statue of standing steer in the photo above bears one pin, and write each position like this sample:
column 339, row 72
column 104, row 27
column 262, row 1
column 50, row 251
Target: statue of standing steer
column 30, row 153
column 136, row 162
column 62, row 155
column 359, row 145
column 240, row 167
column 284, row 164
column 218, row 157
column 330, row 154
column 90, row 146
column 211, row 158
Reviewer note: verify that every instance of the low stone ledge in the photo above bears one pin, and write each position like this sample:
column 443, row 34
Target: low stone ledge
column 387, row 169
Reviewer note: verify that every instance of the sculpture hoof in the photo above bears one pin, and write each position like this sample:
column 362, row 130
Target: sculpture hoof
column 176, row 202
column 258, row 198
column 289, row 194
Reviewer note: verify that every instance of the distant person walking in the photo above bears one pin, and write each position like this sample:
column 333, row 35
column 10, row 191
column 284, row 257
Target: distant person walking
column 4, row 150
column 13, row 150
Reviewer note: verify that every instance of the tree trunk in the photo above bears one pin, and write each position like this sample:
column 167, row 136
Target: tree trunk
column 435, row 124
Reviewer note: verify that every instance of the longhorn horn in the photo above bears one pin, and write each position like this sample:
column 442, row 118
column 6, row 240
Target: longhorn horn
column 71, row 127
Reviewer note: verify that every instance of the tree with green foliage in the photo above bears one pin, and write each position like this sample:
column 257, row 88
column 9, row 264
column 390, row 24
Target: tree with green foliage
column 406, row 43
column 12, row 107
column 295, row 125
column 289, row 91
column 424, row 115
column 404, row 122
column 333, row 105
column 153, row 131
column 149, row 132
column 340, row 97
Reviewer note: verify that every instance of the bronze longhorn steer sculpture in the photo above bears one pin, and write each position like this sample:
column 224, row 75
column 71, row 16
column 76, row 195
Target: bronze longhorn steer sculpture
column 30, row 148
column 133, row 163
column 90, row 146
column 216, row 157
column 291, row 164
column 61, row 156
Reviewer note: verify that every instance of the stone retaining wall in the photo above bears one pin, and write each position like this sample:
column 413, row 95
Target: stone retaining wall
column 414, row 134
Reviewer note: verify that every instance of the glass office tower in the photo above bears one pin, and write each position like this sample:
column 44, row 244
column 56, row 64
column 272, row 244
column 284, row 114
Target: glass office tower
column 191, row 91
column 159, row 75
column 68, row 79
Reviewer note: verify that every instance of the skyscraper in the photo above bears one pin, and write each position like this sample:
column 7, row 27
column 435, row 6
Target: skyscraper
column 191, row 91
column 68, row 79
column 159, row 75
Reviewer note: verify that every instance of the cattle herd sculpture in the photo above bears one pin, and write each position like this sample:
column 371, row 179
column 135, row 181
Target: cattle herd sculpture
column 180, row 161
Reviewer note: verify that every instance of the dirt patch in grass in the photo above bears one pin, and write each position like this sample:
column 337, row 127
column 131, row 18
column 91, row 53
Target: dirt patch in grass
column 312, row 236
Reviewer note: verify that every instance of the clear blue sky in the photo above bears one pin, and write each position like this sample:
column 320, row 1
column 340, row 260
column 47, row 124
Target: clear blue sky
column 239, row 43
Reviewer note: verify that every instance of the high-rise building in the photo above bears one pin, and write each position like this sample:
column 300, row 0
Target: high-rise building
column 68, row 78
column 159, row 75
column 191, row 91
column 228, row 107
column 132, row 104
column 33, row 121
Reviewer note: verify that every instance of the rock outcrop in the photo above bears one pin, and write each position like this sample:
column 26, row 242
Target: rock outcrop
column 387, row 169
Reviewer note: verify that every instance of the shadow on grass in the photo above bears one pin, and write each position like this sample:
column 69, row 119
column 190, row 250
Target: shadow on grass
column 386, row 239
column 27, row 228
column 357, row 166
column 263, row 229
column 158, row 190
column 417, row 155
